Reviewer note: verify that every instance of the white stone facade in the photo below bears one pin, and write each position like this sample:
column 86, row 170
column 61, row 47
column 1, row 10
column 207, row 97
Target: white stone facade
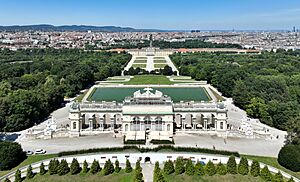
column 147, row 115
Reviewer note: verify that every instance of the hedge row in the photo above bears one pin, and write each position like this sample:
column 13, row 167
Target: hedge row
column 156, row 149
column 159, row 142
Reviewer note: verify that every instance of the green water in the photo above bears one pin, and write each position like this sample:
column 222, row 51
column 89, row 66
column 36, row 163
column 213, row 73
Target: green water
column 177, row 94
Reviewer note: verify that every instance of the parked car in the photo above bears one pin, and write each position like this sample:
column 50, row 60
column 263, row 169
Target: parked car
column 29, row 152
column 40, row 151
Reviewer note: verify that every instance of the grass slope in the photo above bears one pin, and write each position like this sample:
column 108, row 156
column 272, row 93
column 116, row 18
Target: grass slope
column 149, row 79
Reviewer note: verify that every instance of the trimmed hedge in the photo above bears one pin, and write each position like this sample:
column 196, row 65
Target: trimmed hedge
column 135, row 142
column 156, row 149
column 161, row 142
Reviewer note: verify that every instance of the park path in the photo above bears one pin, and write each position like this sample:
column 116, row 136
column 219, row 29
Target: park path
column 147, row 171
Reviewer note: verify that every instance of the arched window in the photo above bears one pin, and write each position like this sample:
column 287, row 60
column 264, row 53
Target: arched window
column 168, row 127
column 74, row 125
column 126, row 127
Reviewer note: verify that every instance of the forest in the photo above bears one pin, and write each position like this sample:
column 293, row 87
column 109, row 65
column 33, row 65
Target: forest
column 35, row 82
column 266, row 85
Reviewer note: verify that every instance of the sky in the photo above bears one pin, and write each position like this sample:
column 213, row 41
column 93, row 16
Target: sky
column 159, row 14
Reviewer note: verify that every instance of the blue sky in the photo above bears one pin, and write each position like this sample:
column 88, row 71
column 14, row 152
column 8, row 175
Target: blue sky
column 163, row 14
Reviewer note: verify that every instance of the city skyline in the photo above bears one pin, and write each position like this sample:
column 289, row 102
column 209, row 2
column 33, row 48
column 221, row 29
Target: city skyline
column 167, row 15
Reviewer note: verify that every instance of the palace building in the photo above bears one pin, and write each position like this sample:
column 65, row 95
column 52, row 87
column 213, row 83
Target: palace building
column 147, row 115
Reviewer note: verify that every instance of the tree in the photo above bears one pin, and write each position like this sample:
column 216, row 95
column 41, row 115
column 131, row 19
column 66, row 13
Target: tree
column 85, row 168
column 243, row 167
column 108, row 168
column 75, row 167
column 199, row 169
column 6, row 180
column 210, row 168
column 42, row 169
column 221, row 169
column 179, row 166
column 169, row 167
column 289, row 157
column 231, row 165
column 29, row 174
column 266, row 174
column 11, row 154
column 63, row 168
column 278, row 177
column 138, row 175
column 189, row 168
column 95, row 167
column 53, row 166
column 128, row 168
column 138, row 165
column 117, row 166
column 255, row 168
column 159, row 177
column 156, row 171
column 18, row 177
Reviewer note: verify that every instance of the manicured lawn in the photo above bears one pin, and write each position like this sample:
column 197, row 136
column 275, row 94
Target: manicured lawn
column 140, row 61
column 215, row 178
column 272, row 162
column 30, row 160
column 157, row 66
column 139, row 65
column 149, row 79
column 159, row 61
column 88, row 177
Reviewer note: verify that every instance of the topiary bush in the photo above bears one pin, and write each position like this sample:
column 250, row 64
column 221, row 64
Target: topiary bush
column 255, row 168
column 265, row 174
column 179, row 166
column 75, row 167
column 128, row 168
column 85, row 167
column 210, row 168
column 18, row 177
column 117, row 166
column 169, row 167
column 189, row 168
column 231, row 165
column 63, row 168
column 95, row 167
column 289, row 157
column 199, row 169
column 221, row 169
column 243, row 167
column 29, row 174
column 42, row 169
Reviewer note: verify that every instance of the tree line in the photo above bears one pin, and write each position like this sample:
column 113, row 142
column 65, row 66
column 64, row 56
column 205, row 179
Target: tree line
column 33, row 83
column 266, row 85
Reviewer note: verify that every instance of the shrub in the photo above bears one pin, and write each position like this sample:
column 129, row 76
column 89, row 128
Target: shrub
column 161, row 142
column 135, row 142
column 231, row 165
column 179, row 166
column 63, row 168
column 199, row 169
column 255, row 168
column 85, row 167
column 95, row 167
column 18, row 177
column 53, row 166
column 108, row 168
column 221, row 169
column 266, row 174
column 128, row 168
column 169, row 167
column 156, row 171
column 138, row 165
column 75, row 167
column 291, row 180
column 29, row 174
column 42, row 169
column 6, row 180
column 11, row 155
column 210, row 168
column 189, row 168
column 160, row 177
column 278, row 177
column 117, row 166
column 138, row 175
column 243, row 167
column 289, row 157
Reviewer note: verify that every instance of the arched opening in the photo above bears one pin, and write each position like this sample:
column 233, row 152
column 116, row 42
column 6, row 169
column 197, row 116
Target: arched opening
column 74, row 125
column 126, row 127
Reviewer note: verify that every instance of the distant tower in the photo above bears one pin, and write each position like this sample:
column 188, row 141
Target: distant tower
column 294, row 29
column 150, row 40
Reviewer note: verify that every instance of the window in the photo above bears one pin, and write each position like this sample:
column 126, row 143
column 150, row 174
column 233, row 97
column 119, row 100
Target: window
column 168, row 127
column 74, row 125
column 221, row 125
column 126, row 127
